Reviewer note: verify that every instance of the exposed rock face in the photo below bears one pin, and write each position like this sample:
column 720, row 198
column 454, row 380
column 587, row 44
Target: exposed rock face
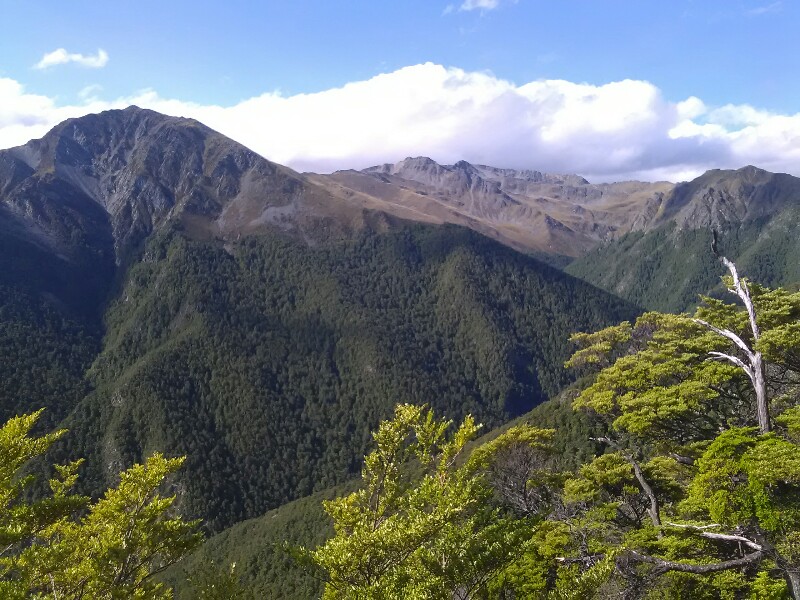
column 565, row 214
column 86, row 196
column 97, row 186
column 721, row 198
column 529, row 210
column 124, row 173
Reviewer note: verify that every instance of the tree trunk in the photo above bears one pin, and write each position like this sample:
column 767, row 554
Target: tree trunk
column 754, row 367
column 654, row 511
column 760, row 386
column 793, row 581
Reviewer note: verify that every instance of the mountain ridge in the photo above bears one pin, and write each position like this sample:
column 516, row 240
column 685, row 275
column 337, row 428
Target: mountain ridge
column 143, row 168
column 222, row 303
column 566, row 213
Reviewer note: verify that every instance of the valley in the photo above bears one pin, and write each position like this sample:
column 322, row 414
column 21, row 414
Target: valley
column 165, row 289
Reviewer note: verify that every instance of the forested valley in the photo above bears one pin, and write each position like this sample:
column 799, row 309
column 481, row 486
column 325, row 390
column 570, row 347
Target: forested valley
column 225, row 379
column 677, row 475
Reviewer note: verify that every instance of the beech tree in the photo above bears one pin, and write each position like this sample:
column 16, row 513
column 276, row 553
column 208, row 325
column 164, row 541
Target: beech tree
column 697, row 494
column 423, row 525
column 65, row 546
column 702, row 425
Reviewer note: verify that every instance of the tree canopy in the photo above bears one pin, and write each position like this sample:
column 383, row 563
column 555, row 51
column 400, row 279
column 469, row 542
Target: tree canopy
column 65, row 546
column 696, row 494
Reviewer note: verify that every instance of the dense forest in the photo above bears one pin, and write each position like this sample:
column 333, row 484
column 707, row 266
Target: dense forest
column 268, row 362
column 695, row 494
column 669, row 469
column 651, row 268
column 258, row 546
column 50, row 328
column 200, row 344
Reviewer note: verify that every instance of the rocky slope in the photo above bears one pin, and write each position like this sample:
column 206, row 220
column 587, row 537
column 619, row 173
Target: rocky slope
column 122, row 174
column 664, row 267
column 529, row 210
column 77, row 207
column 117, row 176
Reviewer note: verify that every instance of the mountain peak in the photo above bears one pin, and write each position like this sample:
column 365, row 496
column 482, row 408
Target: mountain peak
column 137, row 166
column 464, row 166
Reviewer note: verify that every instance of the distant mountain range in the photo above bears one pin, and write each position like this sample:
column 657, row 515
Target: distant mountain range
column 122, row 174
column 665, row 265
column 164, row 288
column 556, row 215
column 646, row 242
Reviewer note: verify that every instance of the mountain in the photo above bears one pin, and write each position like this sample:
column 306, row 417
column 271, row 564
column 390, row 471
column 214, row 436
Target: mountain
column 122, row 174
column 547, row 214
column 665, row 266
column 647, row 242
column 165, row 288
column 268, row 361
column 169, row 290
column 78, row 206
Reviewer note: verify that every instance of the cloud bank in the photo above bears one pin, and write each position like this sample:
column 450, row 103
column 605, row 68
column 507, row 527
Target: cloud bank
column 619, row 130
column 62, row 57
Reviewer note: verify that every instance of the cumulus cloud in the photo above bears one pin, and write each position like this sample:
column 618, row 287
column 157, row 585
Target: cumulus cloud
column 62, row 57
column 619, row 130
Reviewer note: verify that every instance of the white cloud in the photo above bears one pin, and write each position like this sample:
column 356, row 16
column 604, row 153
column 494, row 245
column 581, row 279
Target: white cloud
column 62, row 57
column 619, row 130
column 479, row 5
column 765, row 9
column 90, row 92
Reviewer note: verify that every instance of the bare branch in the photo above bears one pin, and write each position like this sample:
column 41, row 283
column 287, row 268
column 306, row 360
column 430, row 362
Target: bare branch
column 724, row 537
column 654, row 509
column 697, row 527
column 684, row 460
column 727, row 334
column 755, row 370
column 735, row 360
column 740, row 289
column 669, row 565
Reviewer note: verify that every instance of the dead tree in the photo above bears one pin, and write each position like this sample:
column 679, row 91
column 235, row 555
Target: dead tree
column 753, row 362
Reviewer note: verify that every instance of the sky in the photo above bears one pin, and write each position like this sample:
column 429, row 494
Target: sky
column 609, row 89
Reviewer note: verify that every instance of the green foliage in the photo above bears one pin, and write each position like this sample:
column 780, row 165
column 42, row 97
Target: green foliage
column 663, row 385
column 64, row 546
column 50, row 314
column 270, row 361
column 214, row 583
column 746, row 478
column 258, row 548
column 406, row 534
column 256, row 545
column 692, row 477
column 651, row 268
column 587, row 583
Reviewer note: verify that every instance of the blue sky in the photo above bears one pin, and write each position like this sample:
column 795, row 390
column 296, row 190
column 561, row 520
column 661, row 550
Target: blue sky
column 200, row 57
